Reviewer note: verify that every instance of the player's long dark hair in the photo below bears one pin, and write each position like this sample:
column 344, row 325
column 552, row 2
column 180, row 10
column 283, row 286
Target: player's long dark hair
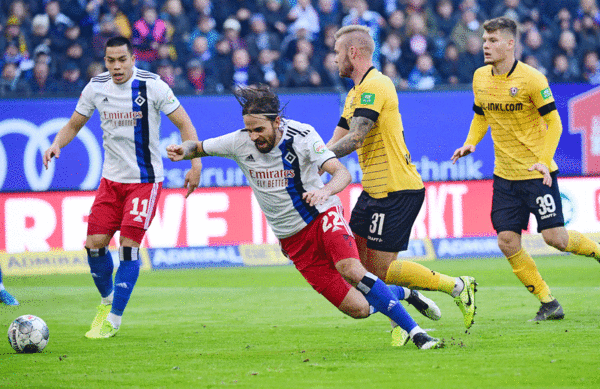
column 258, row 99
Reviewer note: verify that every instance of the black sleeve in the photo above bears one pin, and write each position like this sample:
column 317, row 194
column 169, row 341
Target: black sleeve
column 478, row 110
column 343, row 123
column 366, row 113
column 546, row 109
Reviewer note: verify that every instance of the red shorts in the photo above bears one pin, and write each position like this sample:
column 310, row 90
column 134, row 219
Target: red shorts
column 126, row 207
column 317, row 248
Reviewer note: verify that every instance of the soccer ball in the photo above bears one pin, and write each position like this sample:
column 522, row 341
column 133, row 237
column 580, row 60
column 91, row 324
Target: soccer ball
column 28, row 334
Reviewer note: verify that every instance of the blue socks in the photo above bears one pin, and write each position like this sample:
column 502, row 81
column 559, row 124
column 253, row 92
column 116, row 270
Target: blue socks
column 101, row 267
column 383, row 300
column 125, row 279
column 397, row 291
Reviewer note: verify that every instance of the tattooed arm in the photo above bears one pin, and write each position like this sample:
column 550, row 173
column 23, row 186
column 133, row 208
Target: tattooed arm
column 359, row 128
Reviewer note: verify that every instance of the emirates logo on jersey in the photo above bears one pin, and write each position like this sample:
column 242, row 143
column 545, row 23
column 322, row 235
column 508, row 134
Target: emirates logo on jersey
column 121, row 119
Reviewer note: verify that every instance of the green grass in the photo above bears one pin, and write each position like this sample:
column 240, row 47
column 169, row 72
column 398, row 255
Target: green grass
column 265, row 328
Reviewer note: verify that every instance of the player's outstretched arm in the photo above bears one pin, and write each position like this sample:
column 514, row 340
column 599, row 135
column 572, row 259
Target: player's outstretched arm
column 189, row 149
column 340, row 178
column 181, row 119
column 65, row 136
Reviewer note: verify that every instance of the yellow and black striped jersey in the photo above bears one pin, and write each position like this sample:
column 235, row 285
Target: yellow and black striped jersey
column 383, row 157
column 513, row 105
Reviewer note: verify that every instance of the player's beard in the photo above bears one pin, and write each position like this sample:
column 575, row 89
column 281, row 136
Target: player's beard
column 346, row 68
column 267, row 143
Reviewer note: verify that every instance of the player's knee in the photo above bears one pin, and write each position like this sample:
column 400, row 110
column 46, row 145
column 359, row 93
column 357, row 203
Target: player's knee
column 351, row 269
column 97, row 241
column 556, row 242
column 358, row 311
column 508, row 244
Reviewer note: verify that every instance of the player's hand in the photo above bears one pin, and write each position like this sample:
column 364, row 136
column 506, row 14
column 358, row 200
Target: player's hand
column 316, row 197
column 175, row 152
column 462, row 152
column 540, row 167
column 53, row 151
column 192, row 179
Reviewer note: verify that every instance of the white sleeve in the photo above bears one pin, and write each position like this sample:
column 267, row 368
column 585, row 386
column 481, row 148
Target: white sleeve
column 166, row 101
column 317, row 151
column 222, row 146
column 85, row 104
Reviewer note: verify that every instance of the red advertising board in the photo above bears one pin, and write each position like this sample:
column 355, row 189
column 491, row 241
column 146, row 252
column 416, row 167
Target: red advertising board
column 224, row 216
column 584, row 114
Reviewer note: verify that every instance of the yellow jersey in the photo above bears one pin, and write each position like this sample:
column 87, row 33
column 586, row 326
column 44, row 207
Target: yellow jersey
column 513, row 105
column 383, row 157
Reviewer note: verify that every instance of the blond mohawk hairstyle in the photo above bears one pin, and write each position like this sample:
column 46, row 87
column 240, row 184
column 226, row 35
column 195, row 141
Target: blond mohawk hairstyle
column 359, row 36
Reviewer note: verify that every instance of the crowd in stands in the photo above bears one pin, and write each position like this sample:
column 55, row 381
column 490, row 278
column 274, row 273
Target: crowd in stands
column 53, row 47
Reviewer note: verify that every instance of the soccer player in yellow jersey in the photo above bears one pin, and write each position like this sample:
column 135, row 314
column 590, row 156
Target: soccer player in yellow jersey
column 393, row 192
column 515, row 100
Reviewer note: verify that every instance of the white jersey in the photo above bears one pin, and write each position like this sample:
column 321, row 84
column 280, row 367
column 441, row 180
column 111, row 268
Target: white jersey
column 130, row 121
column 280, row 177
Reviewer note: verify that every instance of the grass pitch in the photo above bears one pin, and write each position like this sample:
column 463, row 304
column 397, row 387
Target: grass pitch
column 266, row 328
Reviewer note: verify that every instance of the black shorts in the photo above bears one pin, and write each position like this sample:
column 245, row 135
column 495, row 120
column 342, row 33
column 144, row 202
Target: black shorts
column 513, row 201
column 386, row 223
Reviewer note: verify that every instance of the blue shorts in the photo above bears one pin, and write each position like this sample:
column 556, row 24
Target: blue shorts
column 386, row 223
column 513, row 201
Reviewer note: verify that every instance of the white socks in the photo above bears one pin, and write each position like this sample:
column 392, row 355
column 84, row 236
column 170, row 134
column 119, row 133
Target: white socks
column 108, row 300
column 114, row 320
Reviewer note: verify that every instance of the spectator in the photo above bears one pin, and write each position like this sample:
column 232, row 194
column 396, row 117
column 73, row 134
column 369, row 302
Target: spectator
column 219, row 70
column 301, row 75
column 449, row 66
column 107, row 29
column 445, row 18
column 41, row 80
column 205, row 28
column 267, row 69
column 196, row 75
column 421, row 8
column 397, row 24
column 562, row 71
column 533, row 45
column 122, row 24
column 40, row 26
column 424, row 76
column 591, row 68
column 167, row 73
column 329, row 13
column 71, row 82
column 361, row 15
column 512, row 9
column 275, row 13
column 179, row 24
column 390, row 50
column 390, row 70
column 13, row 34
column 94, row 68
column 259, row 38
column 303, row 14
column 200, row 49
column 241, row 10
column 416, row 44
column 289, row 44
column 466, row 27
column 470, row 60
column 75, row 54
column 567, row 45
column 532, row 61
column 148, row 33
column 305, row 46
column 10, row 83
column 58, row 24
column 589, row 34
column 241, row 68
column 232, row 32
column 19, row 10
column 202, row 8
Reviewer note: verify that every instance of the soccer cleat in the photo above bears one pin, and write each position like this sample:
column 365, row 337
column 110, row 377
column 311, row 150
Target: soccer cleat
column 424, row 305
column 466, row 300
column 399, row 337
column 103, row 311
column 426, row 342
column 549, row 311
column 7, row 298
column 106, row 331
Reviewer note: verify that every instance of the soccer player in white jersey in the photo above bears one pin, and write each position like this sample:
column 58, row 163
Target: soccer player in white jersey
column 281, row 159
column 129, row 101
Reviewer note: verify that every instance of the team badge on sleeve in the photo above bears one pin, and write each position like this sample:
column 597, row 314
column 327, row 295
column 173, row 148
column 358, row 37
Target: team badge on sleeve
column 546, row 94
column 367, row 98
column 170, row 98
column 319, row 147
